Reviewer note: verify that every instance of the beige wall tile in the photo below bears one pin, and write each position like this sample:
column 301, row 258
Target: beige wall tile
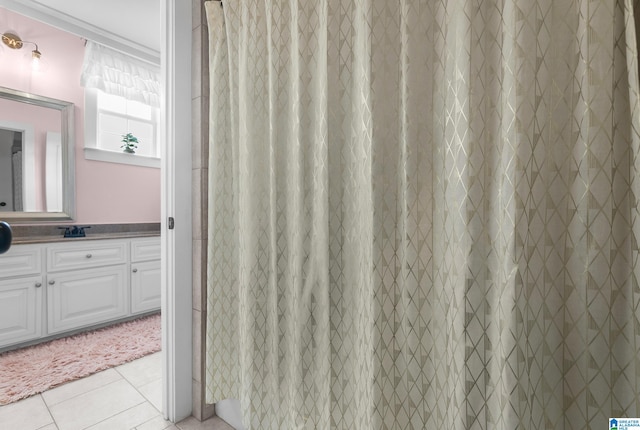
column 199, row 274
column 196, row 62
column 200, row 154
column 198, row 346
column 196, row 133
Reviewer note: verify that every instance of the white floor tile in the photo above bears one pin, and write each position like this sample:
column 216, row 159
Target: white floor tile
column 80, row 387
column 143, row 370
column 95, row 406
column 27, row 414
column 129, row 419
column 124, row 398
column 153, row 393
column 157, row 423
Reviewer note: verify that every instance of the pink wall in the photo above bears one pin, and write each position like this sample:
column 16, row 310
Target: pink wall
column 106, row 193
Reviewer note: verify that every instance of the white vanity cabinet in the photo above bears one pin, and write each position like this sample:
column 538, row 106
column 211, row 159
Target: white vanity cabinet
column 49, row 289
column 86, row 284
column 145, row 275
column 21, row 287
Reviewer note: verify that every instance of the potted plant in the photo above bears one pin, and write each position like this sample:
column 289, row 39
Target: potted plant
column 129, row 142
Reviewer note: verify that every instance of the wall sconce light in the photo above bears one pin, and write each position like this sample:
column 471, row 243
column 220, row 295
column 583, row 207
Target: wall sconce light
column 13, row 41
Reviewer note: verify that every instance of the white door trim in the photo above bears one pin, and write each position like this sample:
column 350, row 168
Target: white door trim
column 176, row 203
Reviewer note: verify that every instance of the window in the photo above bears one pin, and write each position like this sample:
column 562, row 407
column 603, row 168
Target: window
column 122, row 95
column 108, row 117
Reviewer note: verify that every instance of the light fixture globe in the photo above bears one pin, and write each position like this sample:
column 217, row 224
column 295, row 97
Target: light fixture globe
column 36, row 61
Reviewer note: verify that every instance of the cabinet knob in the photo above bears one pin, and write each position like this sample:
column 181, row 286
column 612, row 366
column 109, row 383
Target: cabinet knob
column 51, row 282
column 135, row 270
column 89, row 255
column 38, row 284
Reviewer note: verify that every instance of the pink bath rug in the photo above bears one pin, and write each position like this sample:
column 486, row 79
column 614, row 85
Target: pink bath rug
column 34, row 369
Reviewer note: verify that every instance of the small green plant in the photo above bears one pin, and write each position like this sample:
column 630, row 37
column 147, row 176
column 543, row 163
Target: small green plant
column 129, row 142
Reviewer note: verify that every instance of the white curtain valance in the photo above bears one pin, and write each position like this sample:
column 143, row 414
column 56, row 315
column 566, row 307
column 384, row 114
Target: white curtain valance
column 120, row 74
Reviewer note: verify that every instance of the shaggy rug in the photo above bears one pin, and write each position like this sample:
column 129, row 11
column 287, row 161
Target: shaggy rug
column 34, row 369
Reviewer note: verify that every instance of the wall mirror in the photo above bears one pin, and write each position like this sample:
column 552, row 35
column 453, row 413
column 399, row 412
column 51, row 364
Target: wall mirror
column 37, row 176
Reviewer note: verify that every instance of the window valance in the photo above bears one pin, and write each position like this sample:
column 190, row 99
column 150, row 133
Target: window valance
column 120, row 74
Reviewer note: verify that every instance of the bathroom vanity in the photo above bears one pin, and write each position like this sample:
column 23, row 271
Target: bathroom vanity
column 54, row 288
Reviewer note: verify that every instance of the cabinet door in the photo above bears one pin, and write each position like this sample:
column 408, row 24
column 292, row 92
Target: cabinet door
column 20, row 310
column 145, row 286
column 81, row 298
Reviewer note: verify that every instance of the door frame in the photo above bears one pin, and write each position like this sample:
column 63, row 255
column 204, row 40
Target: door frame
column 177, row 346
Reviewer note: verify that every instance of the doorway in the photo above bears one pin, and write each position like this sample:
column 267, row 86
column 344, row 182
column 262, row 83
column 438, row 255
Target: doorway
column 176, row 43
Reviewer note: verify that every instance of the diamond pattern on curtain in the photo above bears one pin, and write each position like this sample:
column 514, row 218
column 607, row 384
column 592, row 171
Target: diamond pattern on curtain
column 423, row 213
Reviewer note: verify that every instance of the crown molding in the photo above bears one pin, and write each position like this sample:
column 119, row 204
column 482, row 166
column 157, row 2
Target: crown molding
column 63, row 21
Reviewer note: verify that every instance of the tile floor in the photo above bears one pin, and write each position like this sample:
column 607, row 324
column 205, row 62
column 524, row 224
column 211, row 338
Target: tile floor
column 127, row 397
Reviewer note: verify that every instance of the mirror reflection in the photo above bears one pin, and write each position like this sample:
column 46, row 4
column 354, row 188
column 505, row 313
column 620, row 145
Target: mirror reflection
column 36, row 170
column 11, row 168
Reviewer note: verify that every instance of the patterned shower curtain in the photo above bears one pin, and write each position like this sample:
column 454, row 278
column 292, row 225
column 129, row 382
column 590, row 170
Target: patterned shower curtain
column 423, row 213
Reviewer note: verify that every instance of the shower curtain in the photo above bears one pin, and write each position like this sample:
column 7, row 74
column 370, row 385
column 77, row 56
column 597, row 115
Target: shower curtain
column 423, row 213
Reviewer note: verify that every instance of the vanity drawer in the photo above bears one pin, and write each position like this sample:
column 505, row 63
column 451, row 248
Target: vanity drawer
column 85, row 255
column 145, row 249
column 21, row 260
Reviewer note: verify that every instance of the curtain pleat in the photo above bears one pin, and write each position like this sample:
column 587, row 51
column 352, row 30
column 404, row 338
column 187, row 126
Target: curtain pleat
column 423, row 214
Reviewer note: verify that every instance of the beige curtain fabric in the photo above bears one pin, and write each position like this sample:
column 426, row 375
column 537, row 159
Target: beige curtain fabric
column 423, row 213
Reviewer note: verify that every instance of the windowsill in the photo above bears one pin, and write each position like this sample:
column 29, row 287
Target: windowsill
column 121, row 158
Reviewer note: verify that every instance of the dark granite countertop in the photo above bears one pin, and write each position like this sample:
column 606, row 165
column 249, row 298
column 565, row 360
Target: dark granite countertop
column 23, row 234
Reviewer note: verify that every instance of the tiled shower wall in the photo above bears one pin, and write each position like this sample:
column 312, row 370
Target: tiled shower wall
column 200, row 154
